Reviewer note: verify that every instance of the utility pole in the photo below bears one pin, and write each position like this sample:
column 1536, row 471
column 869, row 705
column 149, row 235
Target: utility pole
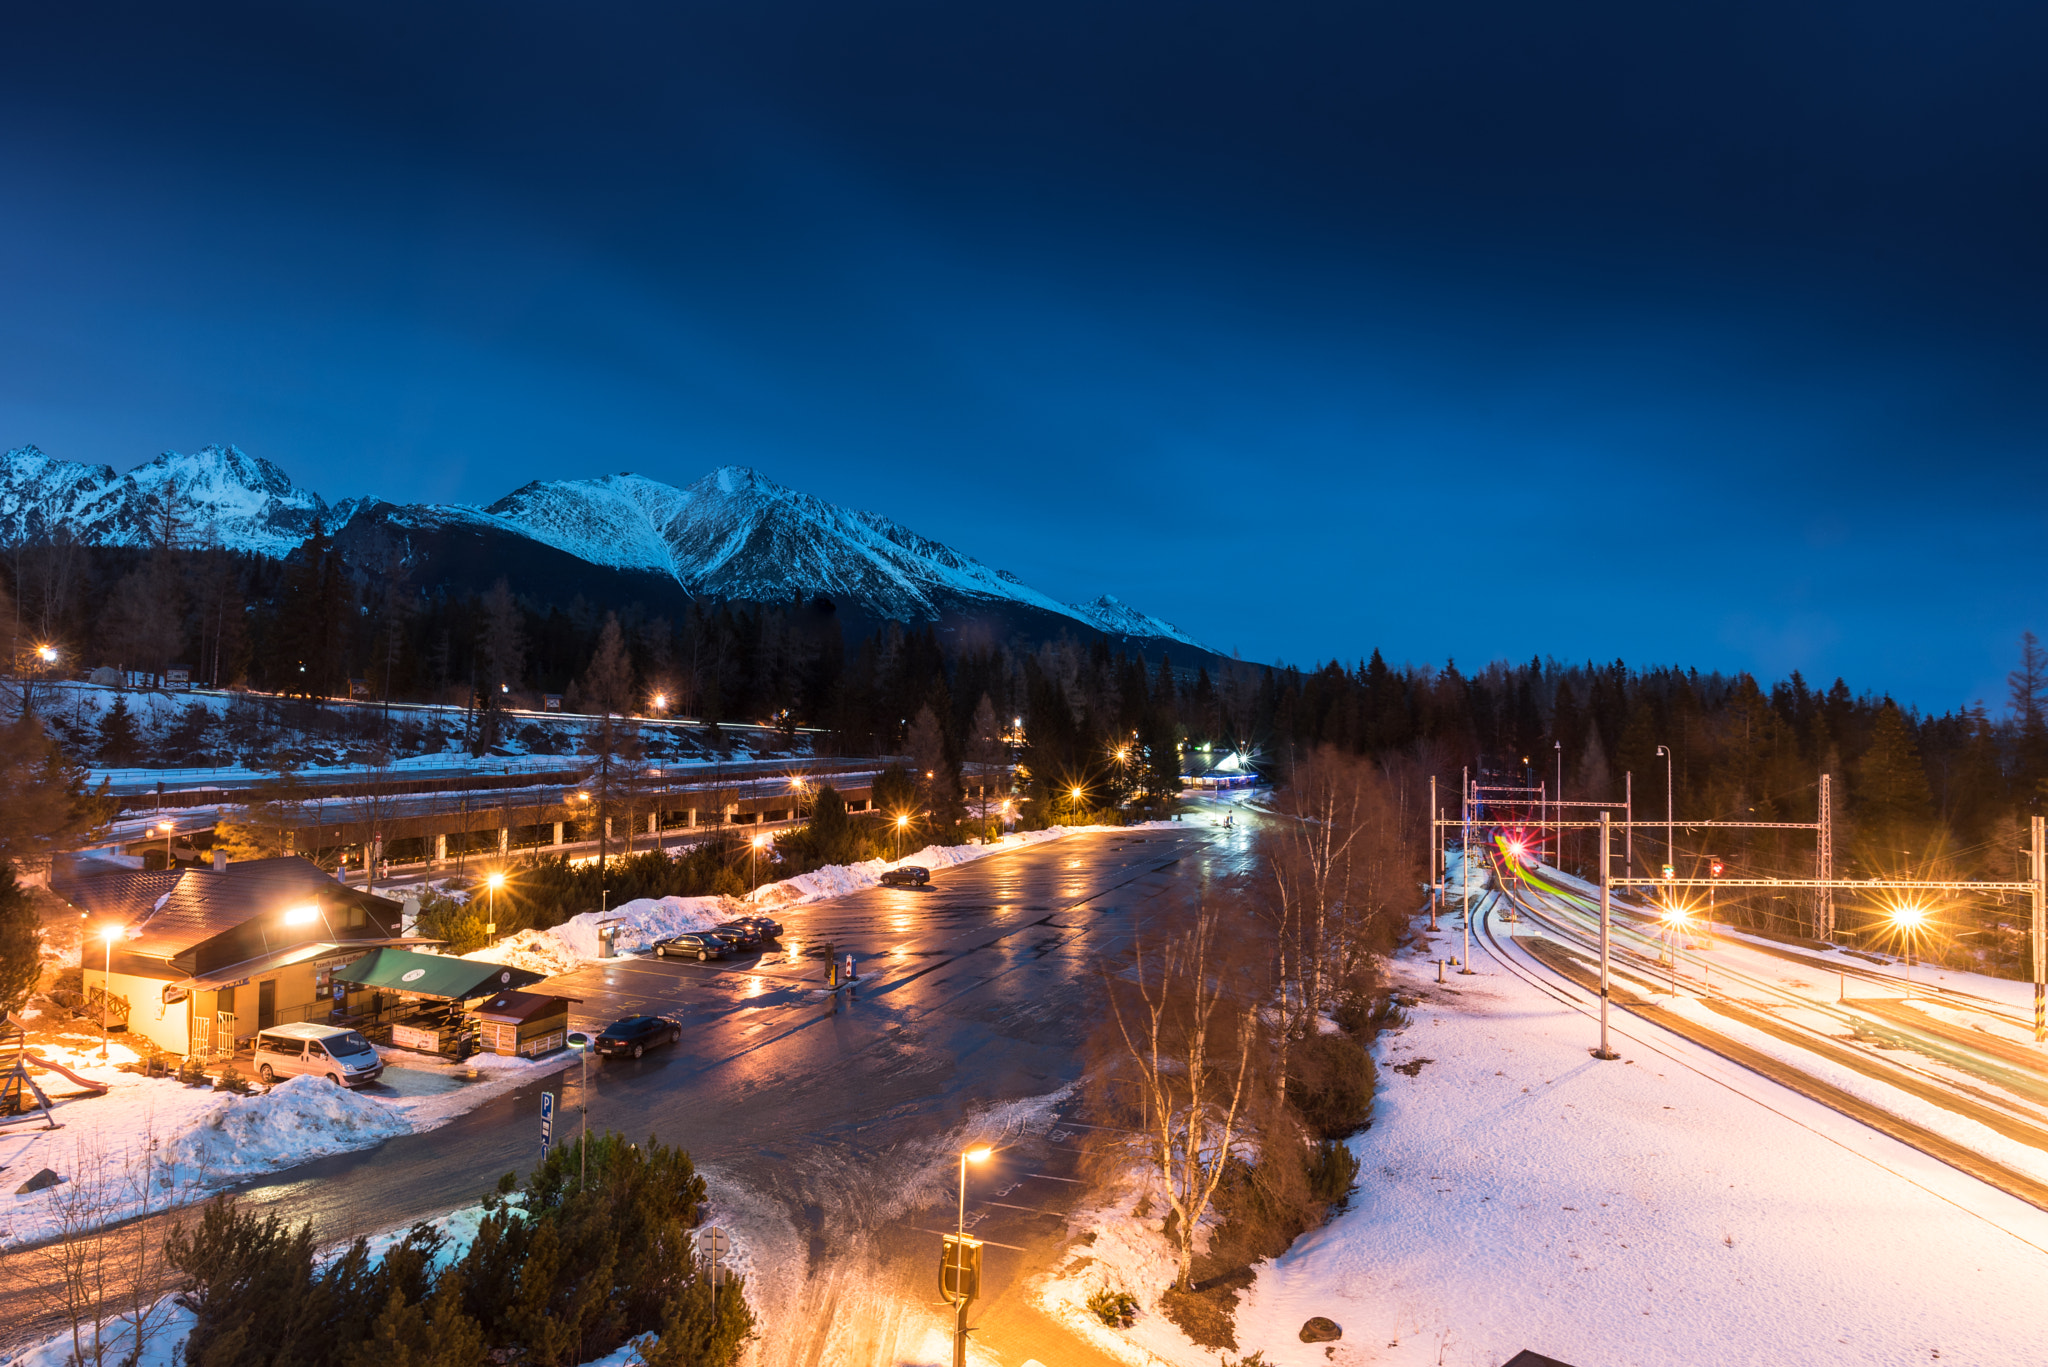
column 1824, row 863
column 1436, row 854
column 1628, row 826
column 2040, row 937
column 1465, row 867
column 1557, row 812
column 1606, row 913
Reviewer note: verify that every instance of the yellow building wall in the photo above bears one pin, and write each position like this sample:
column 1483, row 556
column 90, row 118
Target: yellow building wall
column 147, row 1014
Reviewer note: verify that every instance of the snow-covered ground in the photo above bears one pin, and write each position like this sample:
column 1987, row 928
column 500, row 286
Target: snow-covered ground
column 644, row 920
column 205, row 1140
column 1666, row 1208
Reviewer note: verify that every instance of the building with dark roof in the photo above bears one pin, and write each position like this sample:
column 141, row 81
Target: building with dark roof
column 205, row 957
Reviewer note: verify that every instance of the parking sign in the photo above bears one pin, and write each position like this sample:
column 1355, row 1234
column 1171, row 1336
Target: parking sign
column 547, row 1121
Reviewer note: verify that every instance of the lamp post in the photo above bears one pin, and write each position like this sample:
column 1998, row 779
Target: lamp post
column 493, row 881
column 753, row 856
column 580, row 1042
column 1557, row 810
column 902, row 820
column 1075, row 793
column 1670, row 845
column 978, row 1154
column 169, row 832
column 108, row 936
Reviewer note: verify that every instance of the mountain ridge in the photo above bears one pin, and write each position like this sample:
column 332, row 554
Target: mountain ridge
column 733, row 534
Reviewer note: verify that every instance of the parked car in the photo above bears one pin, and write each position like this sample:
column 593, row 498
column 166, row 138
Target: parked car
column 693, row 945
column 340, row 1055
column 906, row 876
column 635, row 1035
column 770, row 928
column 734, row 940
column 745, row 931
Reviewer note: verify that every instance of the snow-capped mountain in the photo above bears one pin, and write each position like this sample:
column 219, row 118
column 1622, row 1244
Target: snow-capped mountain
column 219, row 496
column 733, row 534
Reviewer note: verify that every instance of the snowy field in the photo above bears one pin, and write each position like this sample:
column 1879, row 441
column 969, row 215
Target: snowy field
column 1666, row 1208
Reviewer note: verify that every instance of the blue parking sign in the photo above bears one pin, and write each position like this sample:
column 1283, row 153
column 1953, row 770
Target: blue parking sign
column 547, row 1121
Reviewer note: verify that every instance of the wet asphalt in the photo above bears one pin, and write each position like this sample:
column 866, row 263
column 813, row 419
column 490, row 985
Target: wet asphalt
column 827, row 1120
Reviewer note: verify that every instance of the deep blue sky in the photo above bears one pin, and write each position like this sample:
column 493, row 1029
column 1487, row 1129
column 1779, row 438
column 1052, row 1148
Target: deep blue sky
column 1710, row 335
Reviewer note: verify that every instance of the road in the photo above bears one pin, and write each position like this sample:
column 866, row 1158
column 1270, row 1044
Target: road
column 829, row 1122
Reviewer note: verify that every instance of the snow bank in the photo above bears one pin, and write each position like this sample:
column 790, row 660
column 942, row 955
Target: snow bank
column 300, row 1118
column 640, row 923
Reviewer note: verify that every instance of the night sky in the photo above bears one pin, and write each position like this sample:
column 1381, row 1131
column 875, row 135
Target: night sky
column 1709, row 335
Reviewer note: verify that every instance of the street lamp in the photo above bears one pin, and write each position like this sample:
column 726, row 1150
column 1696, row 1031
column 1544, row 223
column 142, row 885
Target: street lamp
column 1670, row 846
column 661, row 702
column 978, row 1154
column 1674, row 927
column 1557, row 808
column 494, row 880
column 902, row 820
column 108, row 935
column 1907, row 918
column 754, row 849
column 1075, row 793
column 169, row 831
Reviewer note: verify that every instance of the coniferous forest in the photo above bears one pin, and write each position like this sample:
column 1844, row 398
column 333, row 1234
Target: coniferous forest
column 1912, row 791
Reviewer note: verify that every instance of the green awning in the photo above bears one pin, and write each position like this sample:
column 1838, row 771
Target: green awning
column 433, row 975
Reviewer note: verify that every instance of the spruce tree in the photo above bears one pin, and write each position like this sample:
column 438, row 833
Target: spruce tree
column 21, row 943
column 120, row 745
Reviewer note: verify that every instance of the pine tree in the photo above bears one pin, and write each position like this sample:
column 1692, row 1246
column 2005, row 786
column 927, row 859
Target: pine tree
column 21, row 943
column 120, row 744
column 1892, row 798
column 44, row 804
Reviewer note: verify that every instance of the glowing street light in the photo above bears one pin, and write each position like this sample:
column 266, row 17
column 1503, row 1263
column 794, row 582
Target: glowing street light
column 1908, row 919
column 47, row 654
column 980, row 1153
column 754, row 848
column 902, row 820
column 108, row 934
column 493, row 880
column 661, row 702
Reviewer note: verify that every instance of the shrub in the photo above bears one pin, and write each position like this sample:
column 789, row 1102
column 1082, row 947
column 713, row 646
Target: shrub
column 1332, row 1172
column 1117, row 1309
column 1330, row 1082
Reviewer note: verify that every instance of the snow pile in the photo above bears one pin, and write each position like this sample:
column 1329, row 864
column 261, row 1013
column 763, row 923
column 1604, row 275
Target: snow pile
column 301, row 1118
column 640, row 923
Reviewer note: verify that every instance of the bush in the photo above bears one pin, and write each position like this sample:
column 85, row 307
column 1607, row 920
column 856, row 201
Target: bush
column 1117, row 1309
column 461, row 924
column 1332, row 1172
column 1330, row 1081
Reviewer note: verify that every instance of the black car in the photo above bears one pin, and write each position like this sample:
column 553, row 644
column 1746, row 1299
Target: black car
column 746, row 931
column 635, row 1035
column 735, row 942
column 908, row 876
column 768, row 927
column 694, row 945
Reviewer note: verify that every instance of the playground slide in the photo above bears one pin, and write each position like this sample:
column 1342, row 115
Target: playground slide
column 94, row 1088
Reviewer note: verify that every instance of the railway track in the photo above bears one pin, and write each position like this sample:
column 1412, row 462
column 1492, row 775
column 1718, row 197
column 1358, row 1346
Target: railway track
column 2012, row 1104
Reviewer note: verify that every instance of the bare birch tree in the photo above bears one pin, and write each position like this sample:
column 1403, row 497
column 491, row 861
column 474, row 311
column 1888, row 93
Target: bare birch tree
column 1189, row 1036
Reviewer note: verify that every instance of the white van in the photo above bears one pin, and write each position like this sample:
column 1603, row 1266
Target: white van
column 341, row 1056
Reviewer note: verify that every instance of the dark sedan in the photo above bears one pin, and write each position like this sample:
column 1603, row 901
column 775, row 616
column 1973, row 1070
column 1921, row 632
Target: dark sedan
column 735, row 941
column 635, row 1035
column 768, row 926
column 908, row 876
column 694, row 945
column 746, row 932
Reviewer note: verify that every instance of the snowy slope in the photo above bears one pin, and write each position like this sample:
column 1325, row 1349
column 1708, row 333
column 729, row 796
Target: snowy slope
column 1121, row 619
column 221, row 496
